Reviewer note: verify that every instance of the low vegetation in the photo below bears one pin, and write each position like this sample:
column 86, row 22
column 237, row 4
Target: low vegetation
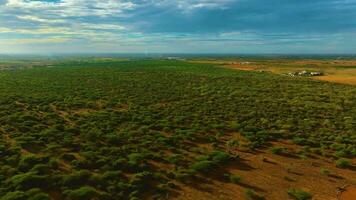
column 89, row 129
column 298, row 194
column 252, row 195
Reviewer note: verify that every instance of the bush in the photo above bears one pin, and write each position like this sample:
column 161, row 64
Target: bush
column 340, row 154
column 232, row 143
column 135, row 158
column 234, row 126
column 40, row 196
column 27, row 162
column 175, row 159
column 252, row 195
column 113, row 139
column 18, row 195
column 203, row 166
column 277, row 150
column 93, row 135
column 141, row 180
column 83, row 193
column 342, row 163
column 324, row 172
column 76, row 178
column 235, row 178
column 28, row 180
column 298, row 194
column 183, row 174
column 219, row 156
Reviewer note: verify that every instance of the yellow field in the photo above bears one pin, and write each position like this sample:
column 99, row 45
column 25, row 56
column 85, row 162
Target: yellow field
column 338, row 71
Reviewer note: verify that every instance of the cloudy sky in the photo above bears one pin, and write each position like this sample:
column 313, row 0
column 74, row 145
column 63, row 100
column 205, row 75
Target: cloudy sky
column 178, row 26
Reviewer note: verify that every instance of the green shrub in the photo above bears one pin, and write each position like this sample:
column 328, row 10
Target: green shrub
column 76, row 178
column 203, row 166
column 234, row 126
column 93, row 135
column 40, row 196
column 298, row 194
column 135, row 158
column 232, row 143
column 140, row 180
column 324, row 172
column 53, row 163
column 41, row 169
column 29, row 180
column 113, row 139
column 68, row 157
column 18, row 195
column 252, row 195
column 340, row 154
column 277, row 150
column 219, row 156
column 175, row 159
column 342, row 163
column 27, row 162
column 235, row 178
column 183, row 174
column 83, row 193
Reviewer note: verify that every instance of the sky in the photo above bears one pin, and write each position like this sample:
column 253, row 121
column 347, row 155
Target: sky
column 178, row 26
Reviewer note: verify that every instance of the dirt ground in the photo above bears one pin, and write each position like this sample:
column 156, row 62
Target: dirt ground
column 340, row 78
column 349, row 193
column 337, row 71
column 344, row 76
column 271, row 176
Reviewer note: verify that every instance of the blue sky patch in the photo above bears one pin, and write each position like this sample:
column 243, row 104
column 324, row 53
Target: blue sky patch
column 178, row 26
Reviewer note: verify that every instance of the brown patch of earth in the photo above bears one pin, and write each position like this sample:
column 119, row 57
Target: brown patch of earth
column 83, row 111
column 339, row 79
column 243, row 67
column 343, row 76
column 348, row 194
column 270, row 175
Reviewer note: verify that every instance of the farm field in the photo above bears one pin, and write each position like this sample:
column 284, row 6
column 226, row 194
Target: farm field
column 108, row 129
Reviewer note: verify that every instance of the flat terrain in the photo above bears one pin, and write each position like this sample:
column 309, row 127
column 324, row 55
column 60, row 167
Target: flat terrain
column 108, row 129
column 335, row 70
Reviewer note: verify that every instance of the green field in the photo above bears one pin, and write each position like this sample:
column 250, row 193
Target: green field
column 106, row 129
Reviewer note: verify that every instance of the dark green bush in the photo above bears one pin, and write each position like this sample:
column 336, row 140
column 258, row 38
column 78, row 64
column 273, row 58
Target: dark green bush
column 40, row 196
column 29, row 180
column 298, row 194
column 324, row 172
column 277, row 150
column 27, row 162
column 342, row 163
column 18, row 195
column 203, row 166
column 252, row 195
column 83, row 193
column 235, row 178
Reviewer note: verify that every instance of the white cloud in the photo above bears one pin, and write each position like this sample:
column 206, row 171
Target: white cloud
column 36, row 31
column 102, row 26
column 189, row 5
column 72, row 8
column 85, row 30
column 207, row 4
column 62, row 18
column 41, row 20
column 34, row 41
column 5, row 30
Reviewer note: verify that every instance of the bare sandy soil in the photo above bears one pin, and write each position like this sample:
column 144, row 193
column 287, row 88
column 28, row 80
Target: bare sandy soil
column 348, row 194
column 338, row 71
column 271, row 176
